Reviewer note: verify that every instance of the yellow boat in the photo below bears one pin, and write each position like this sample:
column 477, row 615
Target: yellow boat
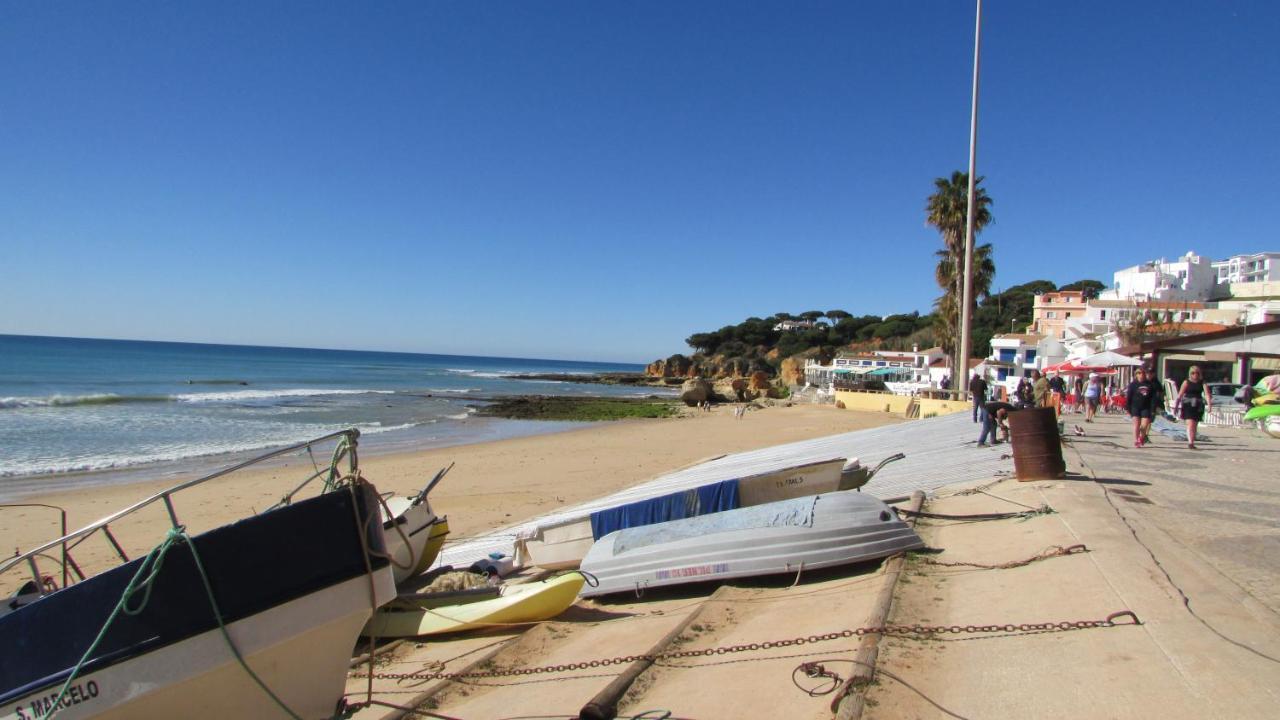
column 515, row 604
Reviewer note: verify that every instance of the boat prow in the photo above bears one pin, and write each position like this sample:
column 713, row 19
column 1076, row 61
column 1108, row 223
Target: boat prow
column 515, row 604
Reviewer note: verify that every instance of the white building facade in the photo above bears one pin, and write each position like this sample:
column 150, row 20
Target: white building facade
column 1258, row 267
column 1190, row 278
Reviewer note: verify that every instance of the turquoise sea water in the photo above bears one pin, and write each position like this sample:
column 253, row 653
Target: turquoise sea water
column 71, row 405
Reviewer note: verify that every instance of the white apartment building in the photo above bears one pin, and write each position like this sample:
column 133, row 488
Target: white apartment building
column 1015, row 355
column 890, row 366
column 1190, row 278
column 1258, row 267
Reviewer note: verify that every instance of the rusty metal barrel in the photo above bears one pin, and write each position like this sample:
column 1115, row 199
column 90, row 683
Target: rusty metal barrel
column 1037, row 447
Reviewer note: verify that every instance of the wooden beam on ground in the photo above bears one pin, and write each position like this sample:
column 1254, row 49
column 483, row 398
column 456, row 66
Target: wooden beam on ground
column 604, row 706
column 850, row 701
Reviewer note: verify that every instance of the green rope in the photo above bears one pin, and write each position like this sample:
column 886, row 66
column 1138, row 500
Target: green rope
column 150, row 568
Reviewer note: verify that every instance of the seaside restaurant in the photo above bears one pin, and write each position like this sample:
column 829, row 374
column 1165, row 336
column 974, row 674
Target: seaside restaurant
column 1243, row 354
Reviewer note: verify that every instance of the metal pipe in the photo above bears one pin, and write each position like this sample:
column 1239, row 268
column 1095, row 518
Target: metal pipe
column 967, row 297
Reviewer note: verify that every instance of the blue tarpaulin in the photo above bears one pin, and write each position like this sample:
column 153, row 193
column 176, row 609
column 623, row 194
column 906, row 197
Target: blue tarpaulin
column 712, row 498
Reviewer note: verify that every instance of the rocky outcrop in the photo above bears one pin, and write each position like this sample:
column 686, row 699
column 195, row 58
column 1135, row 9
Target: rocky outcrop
column 760, row 381
column 676, row 366
column 792, row 371
column 715, row 367
column 694, row 391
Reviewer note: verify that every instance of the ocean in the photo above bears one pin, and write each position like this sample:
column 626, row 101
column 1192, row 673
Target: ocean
column 127, row 409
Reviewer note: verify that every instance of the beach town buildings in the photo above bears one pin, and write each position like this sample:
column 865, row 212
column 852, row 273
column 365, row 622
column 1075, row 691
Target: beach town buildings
column 1051, row 312
column 1258, row 267
column 789, row 325
column 891, row 367
column 1190, row 277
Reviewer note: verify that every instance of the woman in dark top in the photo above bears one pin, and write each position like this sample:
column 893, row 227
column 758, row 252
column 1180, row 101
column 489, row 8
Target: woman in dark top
column 1140, row 401
column 1194, row 401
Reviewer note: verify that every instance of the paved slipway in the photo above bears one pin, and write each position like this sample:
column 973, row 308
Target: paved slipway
column 1187, row 540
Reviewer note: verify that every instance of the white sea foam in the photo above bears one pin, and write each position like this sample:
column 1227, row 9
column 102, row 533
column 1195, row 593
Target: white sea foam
column 181, row 452
column 60, row 400
column 457, row 391
column 236, row 395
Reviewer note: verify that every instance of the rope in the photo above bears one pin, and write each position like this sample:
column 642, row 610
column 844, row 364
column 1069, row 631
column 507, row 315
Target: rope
column 142, row 583
column 1054, row 551
column 1042, row 510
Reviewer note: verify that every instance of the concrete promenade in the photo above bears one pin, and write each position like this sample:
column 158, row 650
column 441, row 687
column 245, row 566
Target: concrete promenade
column 1185, row 539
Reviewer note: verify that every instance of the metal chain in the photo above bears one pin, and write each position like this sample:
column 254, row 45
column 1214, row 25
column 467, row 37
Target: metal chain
column 895, row 630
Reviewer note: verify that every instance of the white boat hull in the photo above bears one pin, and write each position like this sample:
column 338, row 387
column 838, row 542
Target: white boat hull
column 414, row 522
column 563, row 545
column 300, row 649
column 783, row 537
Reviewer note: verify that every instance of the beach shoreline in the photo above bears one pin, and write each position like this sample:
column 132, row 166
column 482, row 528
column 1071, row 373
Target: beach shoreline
column 492, row 484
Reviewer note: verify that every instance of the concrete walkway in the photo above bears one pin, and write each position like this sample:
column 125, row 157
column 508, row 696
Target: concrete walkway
column 1179, row 537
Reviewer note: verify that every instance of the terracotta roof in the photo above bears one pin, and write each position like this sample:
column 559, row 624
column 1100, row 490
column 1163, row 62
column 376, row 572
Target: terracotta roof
column 1149, row 304
column 1188, row 328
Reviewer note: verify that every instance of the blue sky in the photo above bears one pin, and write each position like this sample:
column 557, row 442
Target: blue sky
column 593, row 180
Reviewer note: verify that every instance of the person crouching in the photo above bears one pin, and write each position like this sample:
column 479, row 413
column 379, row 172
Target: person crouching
column 994, row 416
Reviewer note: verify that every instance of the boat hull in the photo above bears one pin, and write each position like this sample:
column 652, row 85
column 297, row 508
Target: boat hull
column 527, row 602
column 421, row 528
column 784, row 537
column 564, row 545
column 293, row 587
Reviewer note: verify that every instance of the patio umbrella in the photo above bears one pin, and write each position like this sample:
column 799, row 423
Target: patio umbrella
column 1109, row 359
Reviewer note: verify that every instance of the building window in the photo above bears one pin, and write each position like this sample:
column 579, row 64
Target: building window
column 1103, row 315
column 1051, row 315
column 1007, row 354
column 1031, row 356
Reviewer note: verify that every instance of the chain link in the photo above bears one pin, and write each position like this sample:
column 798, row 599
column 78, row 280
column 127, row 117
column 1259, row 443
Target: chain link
column 894, row 630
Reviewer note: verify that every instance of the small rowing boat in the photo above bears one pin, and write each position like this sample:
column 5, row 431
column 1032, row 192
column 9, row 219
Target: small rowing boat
column 804, row 533
column 475, row 608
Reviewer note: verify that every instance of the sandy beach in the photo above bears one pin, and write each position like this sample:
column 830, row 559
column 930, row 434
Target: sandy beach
column 492, row 483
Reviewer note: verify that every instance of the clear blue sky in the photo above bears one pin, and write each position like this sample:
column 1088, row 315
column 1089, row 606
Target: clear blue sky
column 594, row 180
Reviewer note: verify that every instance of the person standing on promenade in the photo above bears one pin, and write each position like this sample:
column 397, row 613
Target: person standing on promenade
column 1059, row 389
column 1140, row 401
column 1078, row 392
column 1092, row 396
column 993, row 414
column 1039, row 389
column 1023, row 395
column 978, row 391
column 1194, row 402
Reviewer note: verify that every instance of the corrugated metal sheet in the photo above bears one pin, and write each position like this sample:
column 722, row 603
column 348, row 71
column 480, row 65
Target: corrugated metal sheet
column 940, row 451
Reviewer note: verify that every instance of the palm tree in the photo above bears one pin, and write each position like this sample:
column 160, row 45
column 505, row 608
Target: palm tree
column 947, row 211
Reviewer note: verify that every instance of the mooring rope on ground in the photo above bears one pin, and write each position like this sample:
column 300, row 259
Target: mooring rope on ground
column 979, row 517
column 1050, row 552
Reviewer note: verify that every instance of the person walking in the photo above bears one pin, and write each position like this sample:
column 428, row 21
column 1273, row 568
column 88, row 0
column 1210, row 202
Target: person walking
column 1193, row 401
column 978, row 392
column 1140, row 401
column 1092, row 396
column 1078, row 395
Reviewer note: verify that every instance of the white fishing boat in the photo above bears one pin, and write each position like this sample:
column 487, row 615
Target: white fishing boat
column 789, row 536
column 563, row 544
column 255, row 619
column 414, row 533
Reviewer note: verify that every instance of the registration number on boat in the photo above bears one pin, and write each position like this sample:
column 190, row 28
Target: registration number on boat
column 785, row 482
column 694, row 571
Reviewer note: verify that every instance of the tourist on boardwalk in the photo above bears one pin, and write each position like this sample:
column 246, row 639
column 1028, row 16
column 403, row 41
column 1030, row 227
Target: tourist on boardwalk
column 978, row 392
column 1023, row 397
column 993, row 414
column 1092, row 396
column 1194, row 401
column 1140, row 401
column 1039, row 389
column 1058, row 390
column 1078, row 393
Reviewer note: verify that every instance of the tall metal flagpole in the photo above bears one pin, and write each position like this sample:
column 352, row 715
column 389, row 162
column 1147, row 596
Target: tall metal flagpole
column 961, row 373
